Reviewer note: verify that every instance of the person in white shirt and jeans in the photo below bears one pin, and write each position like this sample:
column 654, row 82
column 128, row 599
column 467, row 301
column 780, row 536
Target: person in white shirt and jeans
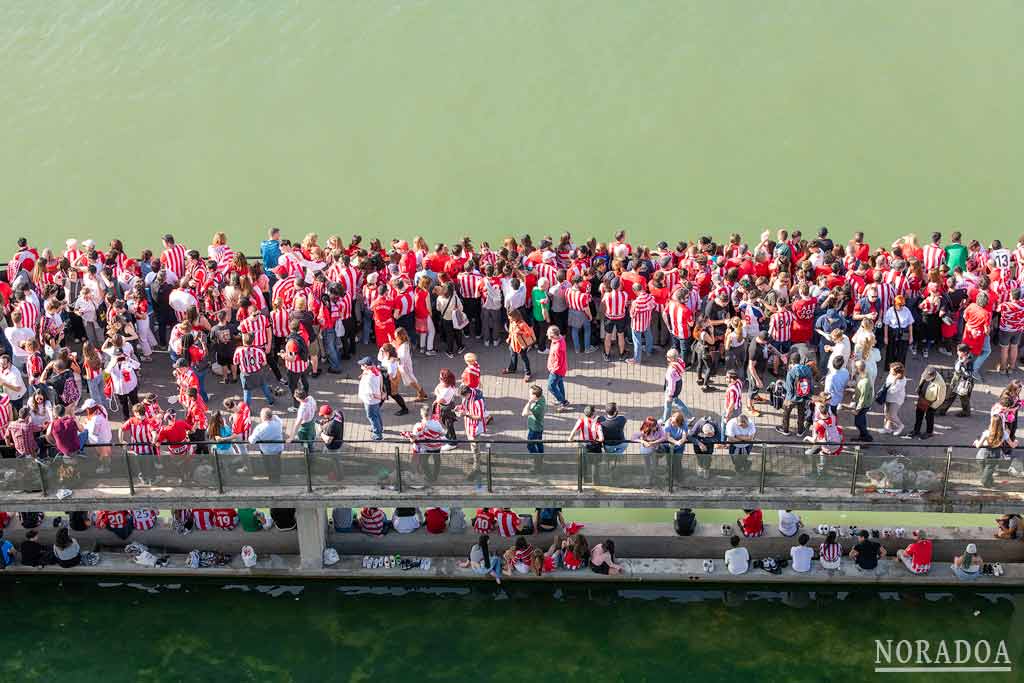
column 371, row 393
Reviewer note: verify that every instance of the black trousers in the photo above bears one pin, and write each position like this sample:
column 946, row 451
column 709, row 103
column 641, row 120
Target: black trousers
column 294, row 380
column 471, row 307
column 273, row 360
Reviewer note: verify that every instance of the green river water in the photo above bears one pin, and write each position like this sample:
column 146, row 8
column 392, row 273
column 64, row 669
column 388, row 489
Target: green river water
column 205, row 631
column 129, row 118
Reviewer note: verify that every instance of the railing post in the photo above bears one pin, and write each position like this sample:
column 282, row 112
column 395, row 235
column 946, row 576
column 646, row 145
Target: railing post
column 309, row 468
column 856, row 470
column 764, row 466
column 398, row 469
column 490, row 470
column 671, row 470
column 945, row 476
column 216, row 469
column 42, row 478
column 128, row 467
column 579, row 469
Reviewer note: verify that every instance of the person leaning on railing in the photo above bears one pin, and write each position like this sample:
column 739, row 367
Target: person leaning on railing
column 268, row 436
column 991, row 445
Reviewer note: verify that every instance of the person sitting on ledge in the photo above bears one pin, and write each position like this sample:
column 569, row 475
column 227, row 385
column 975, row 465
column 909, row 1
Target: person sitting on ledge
column 33, row 554
column 66, row 549
column 830, row 553
column 549, row 519
column 789, row 523
column 373, row 521
column 801, row 555
column 968, row 565
column 917, row 557
column 1008, row 526
column 480, row 559
column 867, row 553
column 406, row 520
column 752, row 523
column 602, row 559
column 519, row 557
column 737, row 559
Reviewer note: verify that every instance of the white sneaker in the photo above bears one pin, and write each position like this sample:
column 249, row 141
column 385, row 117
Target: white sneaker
column 898, row 432
column 448, row 447
column 924, row 354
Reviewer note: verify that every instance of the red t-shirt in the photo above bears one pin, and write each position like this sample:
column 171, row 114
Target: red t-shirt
column 803, row 323
column 753, row 523
column 557, row 363
column 920, row 553
column 976, row 321
column 436, row 520
column 176, row 433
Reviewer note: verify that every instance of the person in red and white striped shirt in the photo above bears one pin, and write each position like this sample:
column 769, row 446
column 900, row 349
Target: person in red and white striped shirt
column 933, row 255
column 1011, row 329
column 173, row 258
column 640, row 313
column 251, row 362
column 589, row 431
column 471, row 289
column 615, row 303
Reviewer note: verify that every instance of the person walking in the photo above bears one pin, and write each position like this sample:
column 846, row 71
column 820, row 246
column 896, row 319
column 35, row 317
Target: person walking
column 371, row 393
column 961, row 384
column 558, row 366
column 675, row 370
column 931, row 393
column 863, row 397
column 893, row 394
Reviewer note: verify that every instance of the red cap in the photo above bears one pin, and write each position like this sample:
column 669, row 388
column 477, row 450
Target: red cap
column 325, row 411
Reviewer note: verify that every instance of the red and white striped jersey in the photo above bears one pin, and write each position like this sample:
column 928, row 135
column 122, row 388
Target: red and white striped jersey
column 780, row 327
column 577, row 300
column 72, row 255
column 258, row 326
column 1001, row 260
column 886, row 294
column 241, row 423
column 350, row 276
column 678, row 317
column 145, row 519
column 6, row 412
column 471, row 285
column 589, row 429
column 1011, row 316
column 641, row 310
column 249, row 359
column 113, row 519
column 292, row 361
column 578, row 268
column 692, row 300
column 173, row 259
column 615, row 303
column 279, row 322
column 292, row 265
column 140, row 433
column 370, row 295
column 284, row 290
column 898, row 281
column 1018, row 258
column 227, row 255
column 29, row 314
column 830, row 552
column 671, row 279
column 733, row 398
column 474, row 411
column 546, row 270
column 214, row 518
column 428, row 434
column 341, row 308
column 507, row 523
column 933, row 256
column 403, row 302
column 22, row 259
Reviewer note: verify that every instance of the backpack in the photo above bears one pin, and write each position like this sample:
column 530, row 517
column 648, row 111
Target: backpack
column 529, row 338
column 685, row 522
column 70, row 392
column 803, row 387
column 777, row 394
column 303, row 352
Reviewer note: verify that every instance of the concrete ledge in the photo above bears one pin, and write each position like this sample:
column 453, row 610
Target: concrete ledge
column 444, row 569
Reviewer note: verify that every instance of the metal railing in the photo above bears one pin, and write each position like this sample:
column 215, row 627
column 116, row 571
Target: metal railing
column 938, row 474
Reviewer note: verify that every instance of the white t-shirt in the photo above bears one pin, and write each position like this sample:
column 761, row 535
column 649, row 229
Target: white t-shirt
column 801, row 556
column 737, row 560
column 405, row 525
column 733, row 429
column 13, row 376
column 17, row 335
column 788, row 523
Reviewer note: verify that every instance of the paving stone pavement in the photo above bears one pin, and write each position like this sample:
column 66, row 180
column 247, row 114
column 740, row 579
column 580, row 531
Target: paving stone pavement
column 591, row 380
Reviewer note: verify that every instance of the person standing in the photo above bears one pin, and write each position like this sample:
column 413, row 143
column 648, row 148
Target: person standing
column 371, row 393
column 541, row 304
column 863, row 397
column 977, row 326
column 961, row 384
column 1011, row 328
column 991, row 446
column 799, row 384
column 268, row 436
column 898, row 332
column 895, row 389
column 615, row 303
column 641, row 311
column 251, row 361
column 296, row 360
column 304, row 427
column 533, row 411
column 590, row 433
column 448, row 302
column 558, row 366
column 931, row 393
column 520, row 338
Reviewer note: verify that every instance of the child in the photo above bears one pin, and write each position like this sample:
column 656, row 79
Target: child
column 533, row 411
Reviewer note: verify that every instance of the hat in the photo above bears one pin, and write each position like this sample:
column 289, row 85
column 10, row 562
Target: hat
column 366, row 360
column 371, row 278
column 87, row 404
column 88, row 244
column 71, row 242
column 326, row 411
column 972, row 549
column 548, row 256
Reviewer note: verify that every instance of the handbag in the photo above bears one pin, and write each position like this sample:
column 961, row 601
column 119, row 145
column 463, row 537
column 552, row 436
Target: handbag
column 882, row 394
column 459, row 319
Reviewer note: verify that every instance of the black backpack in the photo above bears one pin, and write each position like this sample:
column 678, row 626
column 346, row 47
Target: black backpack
column 303, row 353
column 685, row 522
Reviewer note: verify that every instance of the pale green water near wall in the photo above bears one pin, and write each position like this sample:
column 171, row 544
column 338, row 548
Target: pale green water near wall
column 132, row 118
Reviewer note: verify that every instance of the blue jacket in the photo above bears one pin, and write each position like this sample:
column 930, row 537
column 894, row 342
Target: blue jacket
column 270, row 251
column 797, row 371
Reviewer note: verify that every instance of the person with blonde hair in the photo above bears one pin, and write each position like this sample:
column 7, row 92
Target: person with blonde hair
column 403, row 346
column 895, row 393
column 991, row 445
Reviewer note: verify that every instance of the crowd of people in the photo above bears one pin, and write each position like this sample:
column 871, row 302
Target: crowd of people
column 803, row 322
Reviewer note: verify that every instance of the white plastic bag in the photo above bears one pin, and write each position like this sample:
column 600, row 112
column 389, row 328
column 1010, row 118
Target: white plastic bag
column 330, row 557
column 248, row 556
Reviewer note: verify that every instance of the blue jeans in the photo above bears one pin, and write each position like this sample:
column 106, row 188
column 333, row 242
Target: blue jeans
column 678, row 403
column 979, row 362
column 494, row 567
column 367, row 325
column 556, row 385
column 201, row 376
column 965, row 576
column 648, row 347
column 576, row 337
column 376, row 425
column 617, row 449
column 267, row 394
column 330, row 340
column 96, row 391
column 533, row 441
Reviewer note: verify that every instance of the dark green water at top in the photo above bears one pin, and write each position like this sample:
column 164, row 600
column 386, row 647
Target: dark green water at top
column 84, row 630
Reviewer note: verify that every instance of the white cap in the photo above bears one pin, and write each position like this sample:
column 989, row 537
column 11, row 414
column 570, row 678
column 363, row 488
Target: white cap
column 972, row 549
